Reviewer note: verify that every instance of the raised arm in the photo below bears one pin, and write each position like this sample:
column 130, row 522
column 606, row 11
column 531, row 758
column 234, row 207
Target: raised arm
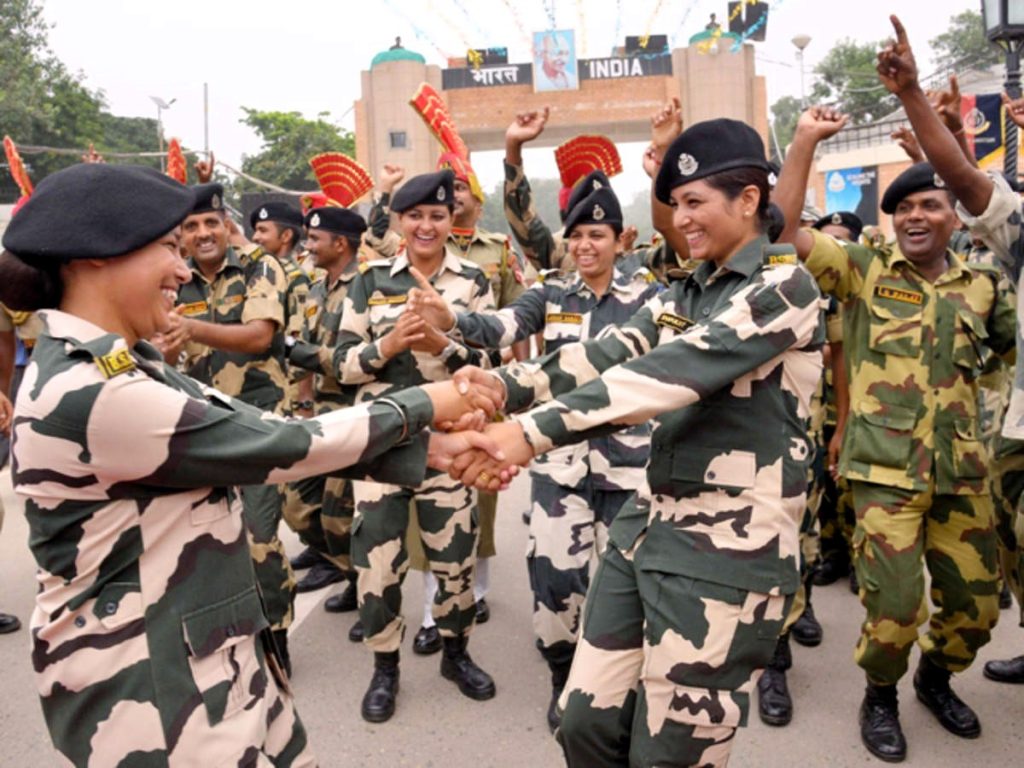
column 532, row 234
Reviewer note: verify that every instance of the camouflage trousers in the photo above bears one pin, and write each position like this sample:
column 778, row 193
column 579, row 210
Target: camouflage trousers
column 900, row 531
column 261, row 511
column 664, row 668
column 1007, row 493
column 320, row 510
column 568, row 528
column 487, row 513
column 835, row 514
column 447, row 518
column 810, row 552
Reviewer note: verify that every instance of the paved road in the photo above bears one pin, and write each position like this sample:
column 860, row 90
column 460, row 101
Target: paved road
column 435, row 727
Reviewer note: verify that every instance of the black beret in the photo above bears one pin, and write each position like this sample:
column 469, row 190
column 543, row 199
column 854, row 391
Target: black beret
column 340, row 221
column 842, row 219
column 426, row 189
column 209, row 197
column 279, row 213
column 589, row 183
column 707, row 148
column 96, row 211
column 916, row 178
column 601, row 206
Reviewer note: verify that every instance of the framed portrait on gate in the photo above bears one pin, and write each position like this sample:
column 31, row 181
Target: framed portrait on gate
column 554, row 61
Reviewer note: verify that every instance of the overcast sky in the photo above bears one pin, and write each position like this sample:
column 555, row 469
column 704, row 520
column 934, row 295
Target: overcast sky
column 307, row 56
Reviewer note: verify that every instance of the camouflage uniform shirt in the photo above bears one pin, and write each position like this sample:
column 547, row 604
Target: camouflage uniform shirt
column 249, row 286
column 315, row 350
column 566, row 310
column 144, row 633
column 375, row 301
column 914, row 351
column 493, row 253
column 726, row 362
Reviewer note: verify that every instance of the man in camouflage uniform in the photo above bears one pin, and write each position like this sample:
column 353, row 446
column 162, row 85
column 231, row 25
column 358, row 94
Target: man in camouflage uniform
column 233, row 320
column 701, row 565
column 991, row 209
column 327, row 503
column 373, row 352
column 577, row 490
column 918, row 318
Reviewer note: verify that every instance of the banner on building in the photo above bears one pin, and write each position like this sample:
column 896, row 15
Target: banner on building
column 626, row 66
column 853, row 189
column 485, row 77
column 983, row 126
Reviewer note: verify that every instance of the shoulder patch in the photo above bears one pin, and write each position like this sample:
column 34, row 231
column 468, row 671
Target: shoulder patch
column 115, row 363
column 777, row 259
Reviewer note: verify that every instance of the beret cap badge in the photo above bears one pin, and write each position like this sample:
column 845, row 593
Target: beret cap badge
column 837, row 219
column 598, row 213
column 215, row 202
column 315, row 221
column 688, row 164
column 264, row 214
column 440, row 194
column 937, row 180
column 772, row 179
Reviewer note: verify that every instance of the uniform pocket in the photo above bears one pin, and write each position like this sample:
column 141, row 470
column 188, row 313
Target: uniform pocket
column 222, row 652
column 893, row 332
column 970, row 461
column 969, row 340
column 883, row 439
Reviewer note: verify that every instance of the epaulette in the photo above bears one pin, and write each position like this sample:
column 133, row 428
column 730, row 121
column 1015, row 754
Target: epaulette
column 363, row 266
column 778, row 255
column 295, row 274
column 546, row 275
column 467, row 264
column 493, row 237
column 644, row 274
column 366, row 265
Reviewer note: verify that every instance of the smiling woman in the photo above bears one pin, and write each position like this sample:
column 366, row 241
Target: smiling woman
column 150, row 641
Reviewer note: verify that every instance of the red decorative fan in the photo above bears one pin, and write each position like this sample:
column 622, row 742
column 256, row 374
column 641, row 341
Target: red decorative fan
column 342, row 179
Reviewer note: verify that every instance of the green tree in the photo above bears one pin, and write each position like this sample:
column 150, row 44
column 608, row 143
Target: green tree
column 848, row 79
column 785, row 112
column 964, row 45
column 289, row 141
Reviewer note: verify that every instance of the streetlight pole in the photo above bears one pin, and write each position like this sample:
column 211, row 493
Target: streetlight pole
column 161, row 105
column 801, row 41
column 1012, row 85
column 1003, row 21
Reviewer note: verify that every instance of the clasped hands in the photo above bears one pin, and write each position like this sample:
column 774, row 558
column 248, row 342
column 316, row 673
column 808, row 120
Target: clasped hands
column 473, row 448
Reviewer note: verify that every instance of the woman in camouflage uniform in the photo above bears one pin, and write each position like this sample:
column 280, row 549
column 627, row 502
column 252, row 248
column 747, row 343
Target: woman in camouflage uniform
column 150, row 641
column 702, row 562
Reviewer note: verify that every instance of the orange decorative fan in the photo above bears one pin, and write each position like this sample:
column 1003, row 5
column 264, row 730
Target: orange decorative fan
column 17, row 167
column 341, row 178
column 431, row 107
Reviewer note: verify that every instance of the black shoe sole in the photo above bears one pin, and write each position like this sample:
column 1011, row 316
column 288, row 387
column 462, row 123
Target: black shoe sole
column 813, row 642
column 470, row 693
column 882, row 756
column 972, row 734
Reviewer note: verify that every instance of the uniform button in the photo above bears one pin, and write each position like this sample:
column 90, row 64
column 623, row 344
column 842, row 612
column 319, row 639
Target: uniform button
column 80, row 621
column 660, row 498
column 230, row 631
column 110, row 608
column 711, row 475
column 935, row 392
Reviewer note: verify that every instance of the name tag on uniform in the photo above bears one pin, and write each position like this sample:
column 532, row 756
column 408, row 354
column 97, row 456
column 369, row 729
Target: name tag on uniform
column 781, row 258
column 230, row 301
column 194, row 308
column 564, row 317
column 115, row 363
column 677, row 323
column 899, row 294
column 376, row 301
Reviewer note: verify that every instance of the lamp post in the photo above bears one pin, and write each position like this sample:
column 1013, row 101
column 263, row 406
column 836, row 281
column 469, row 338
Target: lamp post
column 801, row 42
column 161, row 105
column 1004, row 26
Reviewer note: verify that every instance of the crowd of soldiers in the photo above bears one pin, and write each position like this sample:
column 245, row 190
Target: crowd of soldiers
column 889, row 422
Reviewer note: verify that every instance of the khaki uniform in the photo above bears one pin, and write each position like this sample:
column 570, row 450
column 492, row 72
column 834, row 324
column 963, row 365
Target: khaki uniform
column 250, row 285
column 912, row 451
column 150, row 643
column 688, row 603
column 297, row 283
column 446, row 511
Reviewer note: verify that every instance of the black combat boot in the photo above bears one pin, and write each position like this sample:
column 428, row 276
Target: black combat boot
column 456, row 665
column 830, row 570
column 559, row 676
column 281, row 641
column 773, row 701
column 880, row 724
column 932, row 685
column 379, row 699
column 807, row 630
column 345, row 601
column 1006, row 671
